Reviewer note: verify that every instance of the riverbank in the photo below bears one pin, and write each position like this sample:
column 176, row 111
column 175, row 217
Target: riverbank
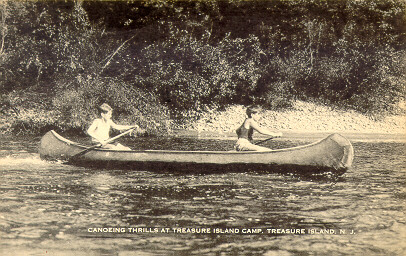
column 303, row 120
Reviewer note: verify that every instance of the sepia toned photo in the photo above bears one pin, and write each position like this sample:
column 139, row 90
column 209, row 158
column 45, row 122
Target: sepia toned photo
column 202, row 127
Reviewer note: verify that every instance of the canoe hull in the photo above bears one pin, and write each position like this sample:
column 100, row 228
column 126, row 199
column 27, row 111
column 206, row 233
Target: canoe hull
column 332, row 154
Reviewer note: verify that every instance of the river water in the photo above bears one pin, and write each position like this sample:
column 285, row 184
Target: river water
column 49, row 208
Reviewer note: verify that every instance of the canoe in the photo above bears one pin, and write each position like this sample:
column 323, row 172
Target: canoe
column 332, row 154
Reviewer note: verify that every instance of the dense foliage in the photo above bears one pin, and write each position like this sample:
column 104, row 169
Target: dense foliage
column 156, row 59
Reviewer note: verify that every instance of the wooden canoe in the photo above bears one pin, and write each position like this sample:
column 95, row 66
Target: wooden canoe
column 333, row 154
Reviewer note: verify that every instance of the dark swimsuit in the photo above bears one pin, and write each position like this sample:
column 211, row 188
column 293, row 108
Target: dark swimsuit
column 244, row 142
column 244, row 133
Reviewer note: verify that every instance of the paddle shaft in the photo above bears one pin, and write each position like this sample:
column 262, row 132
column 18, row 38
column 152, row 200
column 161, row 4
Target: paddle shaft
column 81, row 153
column 262, row 141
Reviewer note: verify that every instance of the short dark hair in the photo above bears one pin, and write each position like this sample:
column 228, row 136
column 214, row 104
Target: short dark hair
column 252, row 110
column 104, row 108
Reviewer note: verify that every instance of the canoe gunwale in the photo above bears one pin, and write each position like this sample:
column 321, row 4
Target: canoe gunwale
column 190, row 151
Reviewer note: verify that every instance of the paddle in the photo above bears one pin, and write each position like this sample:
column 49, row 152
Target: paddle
column 81, row 153
column 262, row 141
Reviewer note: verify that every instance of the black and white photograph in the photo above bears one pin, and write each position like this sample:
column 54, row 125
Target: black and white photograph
column 202, row 127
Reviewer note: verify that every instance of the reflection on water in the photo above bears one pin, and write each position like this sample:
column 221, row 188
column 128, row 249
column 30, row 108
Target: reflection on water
column 49, row 207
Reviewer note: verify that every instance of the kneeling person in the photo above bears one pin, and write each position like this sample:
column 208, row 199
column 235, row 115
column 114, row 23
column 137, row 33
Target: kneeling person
column 246, row 130
column 99, row 130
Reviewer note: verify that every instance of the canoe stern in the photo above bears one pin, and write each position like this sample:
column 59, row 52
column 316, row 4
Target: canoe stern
column 55, row 147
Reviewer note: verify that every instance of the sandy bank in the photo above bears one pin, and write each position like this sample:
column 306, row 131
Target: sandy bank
column 304, row 120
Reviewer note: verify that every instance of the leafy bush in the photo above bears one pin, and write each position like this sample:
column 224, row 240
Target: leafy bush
column 78, row 107
column 189, row 73
column 25, row 114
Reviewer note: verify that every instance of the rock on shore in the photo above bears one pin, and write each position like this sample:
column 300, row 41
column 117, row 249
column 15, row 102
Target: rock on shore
column 303, row 117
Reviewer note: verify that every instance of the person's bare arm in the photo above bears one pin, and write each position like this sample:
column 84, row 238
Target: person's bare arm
column 263, row 130
column 122, row 127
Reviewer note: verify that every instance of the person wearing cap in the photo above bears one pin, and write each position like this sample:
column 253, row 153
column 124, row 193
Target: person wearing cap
column 99, row 130
column 246, row 130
